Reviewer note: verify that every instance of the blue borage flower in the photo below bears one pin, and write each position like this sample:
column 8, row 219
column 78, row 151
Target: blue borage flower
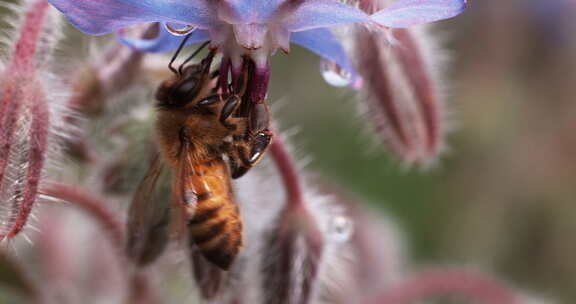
column 249, row 29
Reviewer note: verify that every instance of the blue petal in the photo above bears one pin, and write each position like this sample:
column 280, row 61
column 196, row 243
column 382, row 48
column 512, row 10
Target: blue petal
column 313, row 14
column 195, row 12
column 164, row 42
column 105, row 16
column 324, row 43
column 251, row 11
column 404, row 13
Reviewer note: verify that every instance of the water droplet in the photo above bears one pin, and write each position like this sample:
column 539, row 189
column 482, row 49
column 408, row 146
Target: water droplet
column 179, row 29
column 341, row 228
column 334, row 74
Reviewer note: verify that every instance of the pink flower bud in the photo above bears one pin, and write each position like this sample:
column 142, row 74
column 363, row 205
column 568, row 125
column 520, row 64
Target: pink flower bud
column 294, row 246
column 109, row 75
column 402, row 92
column 372, row 259
column 293, row 251
column 28, row 119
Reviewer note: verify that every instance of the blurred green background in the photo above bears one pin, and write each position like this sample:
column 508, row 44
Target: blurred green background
column 502, row 198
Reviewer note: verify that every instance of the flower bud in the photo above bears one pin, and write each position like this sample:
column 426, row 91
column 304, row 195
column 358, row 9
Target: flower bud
column 109, row 75
column 291, row 258
column 402, row 92
column 29, row 119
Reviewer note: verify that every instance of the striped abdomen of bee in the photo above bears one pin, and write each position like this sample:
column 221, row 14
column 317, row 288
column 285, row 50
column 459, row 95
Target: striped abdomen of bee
column 211, row 212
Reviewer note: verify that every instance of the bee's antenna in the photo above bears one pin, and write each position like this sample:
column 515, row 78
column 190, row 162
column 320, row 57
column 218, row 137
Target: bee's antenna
column 192, row 56
column 177, row 53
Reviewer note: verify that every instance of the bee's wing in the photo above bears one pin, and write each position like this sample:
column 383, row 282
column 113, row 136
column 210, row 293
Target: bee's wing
column 148, row 217
column 194, row 180
column 184, row 187
column 184, row 191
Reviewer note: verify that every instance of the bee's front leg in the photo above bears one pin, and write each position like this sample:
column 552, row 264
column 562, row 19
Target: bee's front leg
column 228, row 109
column 259, row 134
column 244, row 154
column 247, row 148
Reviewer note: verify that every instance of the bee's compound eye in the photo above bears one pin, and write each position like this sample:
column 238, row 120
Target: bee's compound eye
column 185, row 91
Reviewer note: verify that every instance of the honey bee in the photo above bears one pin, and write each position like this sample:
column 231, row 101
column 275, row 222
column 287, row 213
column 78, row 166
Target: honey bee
column 197, row 128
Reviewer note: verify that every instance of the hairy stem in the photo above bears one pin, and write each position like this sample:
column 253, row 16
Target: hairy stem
column 92, row 205
column 288, row 172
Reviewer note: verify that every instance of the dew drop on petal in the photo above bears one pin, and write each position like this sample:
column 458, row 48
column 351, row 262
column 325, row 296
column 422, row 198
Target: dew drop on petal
column 334, row 75
column 340, row 228
column 179, row 29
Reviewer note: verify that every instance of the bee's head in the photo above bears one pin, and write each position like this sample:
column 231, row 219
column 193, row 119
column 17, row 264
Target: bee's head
column 189, row 79
column 183, row 88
